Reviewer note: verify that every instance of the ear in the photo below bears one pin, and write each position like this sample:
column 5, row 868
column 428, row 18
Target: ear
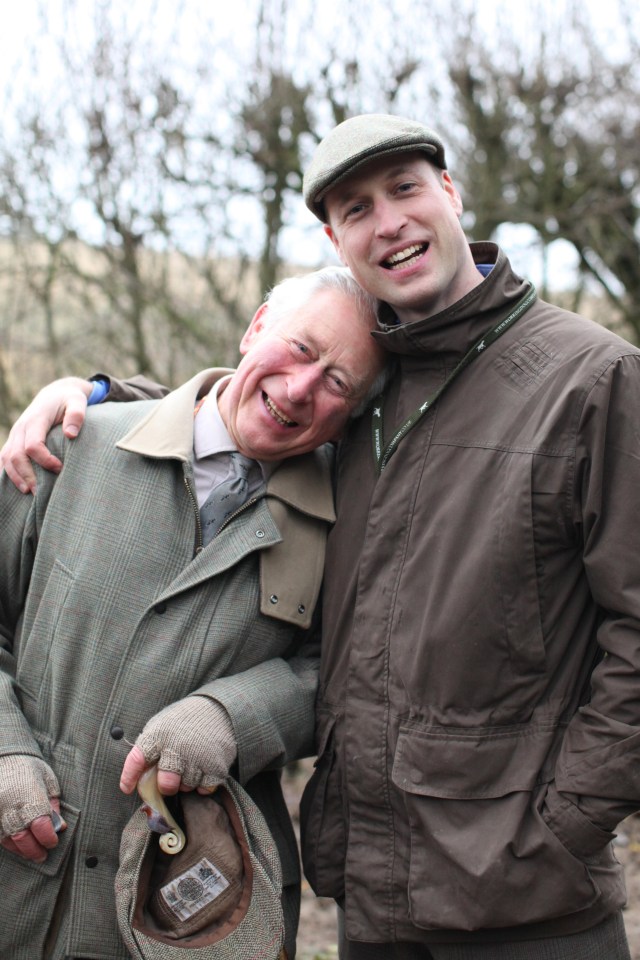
column 254, row 329
column 454, row 197
column 336, row 243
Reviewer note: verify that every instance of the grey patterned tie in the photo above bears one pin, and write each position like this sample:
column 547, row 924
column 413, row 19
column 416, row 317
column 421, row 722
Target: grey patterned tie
column 226, row 498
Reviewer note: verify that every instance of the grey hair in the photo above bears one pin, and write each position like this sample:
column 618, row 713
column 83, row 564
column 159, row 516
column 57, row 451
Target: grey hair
column 293, row 293
column 374, row 390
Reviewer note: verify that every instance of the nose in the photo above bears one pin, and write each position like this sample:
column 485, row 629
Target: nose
column 389, row 218
column 302, row 381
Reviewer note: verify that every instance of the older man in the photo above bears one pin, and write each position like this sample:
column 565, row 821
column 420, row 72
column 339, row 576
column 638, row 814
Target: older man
column 136, row 602
column 478, row 715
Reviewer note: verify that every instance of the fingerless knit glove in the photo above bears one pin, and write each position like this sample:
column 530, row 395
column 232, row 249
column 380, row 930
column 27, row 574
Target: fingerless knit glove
column 26, row 786
column 194, row 738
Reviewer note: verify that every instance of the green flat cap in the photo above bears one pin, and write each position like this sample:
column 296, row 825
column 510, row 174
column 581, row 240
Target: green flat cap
column 357, row 141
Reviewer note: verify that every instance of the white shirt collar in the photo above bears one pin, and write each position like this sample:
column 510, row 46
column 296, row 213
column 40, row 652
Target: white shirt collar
column 210, row 438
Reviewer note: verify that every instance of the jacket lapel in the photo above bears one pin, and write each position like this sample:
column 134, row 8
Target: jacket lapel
column 289, row 528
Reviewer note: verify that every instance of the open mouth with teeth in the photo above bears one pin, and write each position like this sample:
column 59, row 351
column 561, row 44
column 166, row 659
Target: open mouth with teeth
column 406, row 257
column 277, row 414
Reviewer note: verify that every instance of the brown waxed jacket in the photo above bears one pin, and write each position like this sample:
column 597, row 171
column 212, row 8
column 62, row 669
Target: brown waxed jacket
column 478, row 712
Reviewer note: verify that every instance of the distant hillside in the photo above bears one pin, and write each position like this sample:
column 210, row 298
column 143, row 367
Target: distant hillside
column 76, row 310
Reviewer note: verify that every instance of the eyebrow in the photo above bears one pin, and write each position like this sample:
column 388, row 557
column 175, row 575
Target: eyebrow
column 354, row 383
column 398, row 169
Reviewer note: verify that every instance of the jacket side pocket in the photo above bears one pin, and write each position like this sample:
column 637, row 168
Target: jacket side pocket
column 30, row 892
column 473, row 801
column 322, row 831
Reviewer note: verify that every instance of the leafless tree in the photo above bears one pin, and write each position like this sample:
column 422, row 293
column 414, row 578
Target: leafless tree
column 148, row 198
column 548, row 135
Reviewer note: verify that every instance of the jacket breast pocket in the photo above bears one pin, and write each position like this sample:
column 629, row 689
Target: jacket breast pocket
column 41, row 623
column 481, row 854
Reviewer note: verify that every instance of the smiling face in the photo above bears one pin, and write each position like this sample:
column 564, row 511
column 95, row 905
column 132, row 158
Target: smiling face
column 396, row 224
column 300, row 377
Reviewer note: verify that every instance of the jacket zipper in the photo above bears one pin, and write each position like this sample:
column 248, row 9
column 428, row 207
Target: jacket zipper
column 194, row 501
column 232, row 516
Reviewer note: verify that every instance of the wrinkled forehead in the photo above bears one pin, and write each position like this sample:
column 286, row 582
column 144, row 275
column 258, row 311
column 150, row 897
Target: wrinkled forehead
column 338, row 328
column 330, row 314
column 376, row 172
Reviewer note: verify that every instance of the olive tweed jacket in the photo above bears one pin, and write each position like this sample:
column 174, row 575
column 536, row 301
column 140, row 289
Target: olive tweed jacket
column 109, row 611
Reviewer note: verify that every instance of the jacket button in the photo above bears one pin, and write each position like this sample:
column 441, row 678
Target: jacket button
column 273, row 598
column 117, row 732
column 301, row 608
column 416, row 775
column 259, row 534
column 91, row 862
column 161, row 607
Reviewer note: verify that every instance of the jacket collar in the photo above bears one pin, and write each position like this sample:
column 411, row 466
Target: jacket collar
column 166, row 432
column 449, row 334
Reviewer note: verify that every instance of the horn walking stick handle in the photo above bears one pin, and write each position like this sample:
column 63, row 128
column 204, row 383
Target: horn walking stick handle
column 172, row 838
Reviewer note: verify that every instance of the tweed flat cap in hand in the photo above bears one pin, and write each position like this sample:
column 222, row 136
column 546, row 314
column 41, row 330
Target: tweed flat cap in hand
column 357, row 141
column 219, row 896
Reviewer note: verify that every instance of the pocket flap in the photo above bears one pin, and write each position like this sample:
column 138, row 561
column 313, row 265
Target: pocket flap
column 470, row 763
column 57, row 856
